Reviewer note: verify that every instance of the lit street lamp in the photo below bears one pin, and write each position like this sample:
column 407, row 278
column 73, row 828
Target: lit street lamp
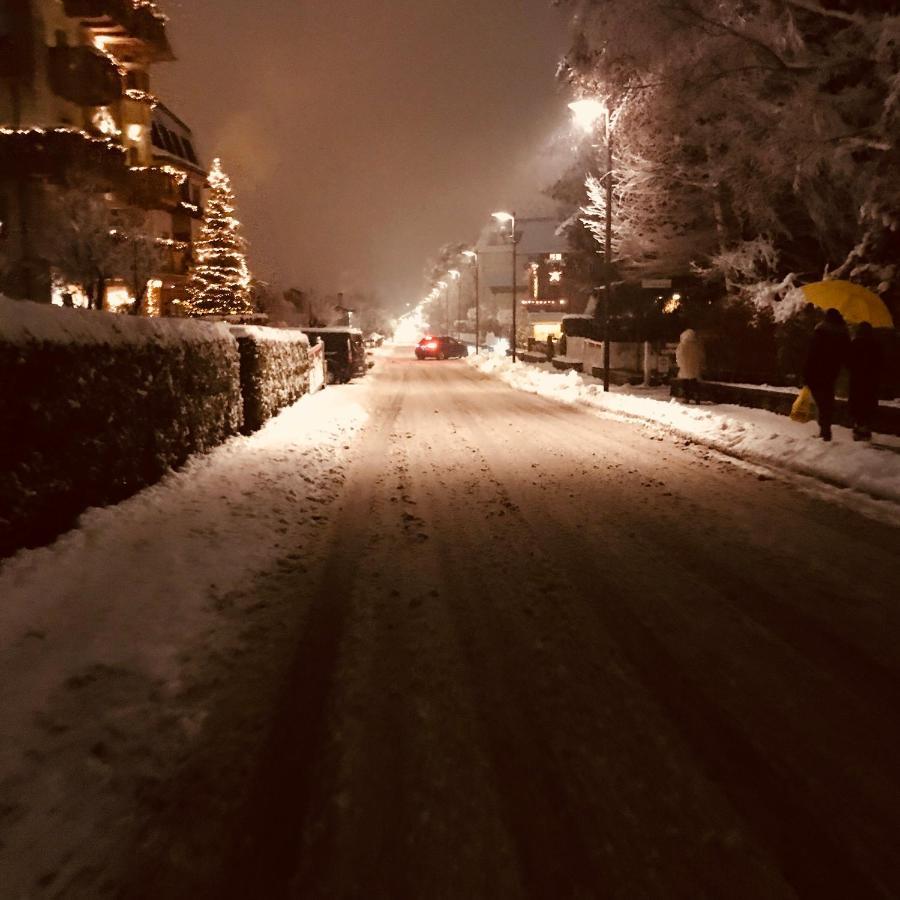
column 504, row 217
column 444, row 287
column 455, row 275
column 587, row 113
column 473, row 258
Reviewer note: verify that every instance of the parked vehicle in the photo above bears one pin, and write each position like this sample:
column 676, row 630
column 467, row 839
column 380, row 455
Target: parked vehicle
column 345, row 352
column 441, row 348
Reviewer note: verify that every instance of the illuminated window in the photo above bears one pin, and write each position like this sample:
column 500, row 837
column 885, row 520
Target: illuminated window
column 105, row 123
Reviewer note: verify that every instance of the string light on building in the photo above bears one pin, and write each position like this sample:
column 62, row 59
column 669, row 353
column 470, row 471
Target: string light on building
column 555, row 277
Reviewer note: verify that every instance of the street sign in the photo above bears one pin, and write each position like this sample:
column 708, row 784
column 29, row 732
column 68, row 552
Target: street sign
column 656, row 283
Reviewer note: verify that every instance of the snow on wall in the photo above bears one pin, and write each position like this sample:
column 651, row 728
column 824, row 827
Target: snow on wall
column 317, row 368
column 22, row 322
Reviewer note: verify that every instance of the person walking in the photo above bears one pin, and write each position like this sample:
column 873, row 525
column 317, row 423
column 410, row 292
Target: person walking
column 864, row 364
column 828, row 352
column 689, row 357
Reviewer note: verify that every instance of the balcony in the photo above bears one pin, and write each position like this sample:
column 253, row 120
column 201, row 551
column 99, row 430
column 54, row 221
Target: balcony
column 141, row 30
column 84, row 76
column 154, row 188
column 58, row 153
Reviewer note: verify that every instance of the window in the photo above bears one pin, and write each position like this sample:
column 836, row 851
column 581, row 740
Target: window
column 189, row 149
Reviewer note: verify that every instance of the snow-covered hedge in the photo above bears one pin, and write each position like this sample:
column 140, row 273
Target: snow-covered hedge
column 274, row 371
column 94, row 406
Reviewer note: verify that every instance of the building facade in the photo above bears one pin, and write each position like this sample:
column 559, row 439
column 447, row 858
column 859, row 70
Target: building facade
column 543, row 289
column 100, row 184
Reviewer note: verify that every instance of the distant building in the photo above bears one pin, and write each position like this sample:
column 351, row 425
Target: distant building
column 77, row 114
column 543, row 289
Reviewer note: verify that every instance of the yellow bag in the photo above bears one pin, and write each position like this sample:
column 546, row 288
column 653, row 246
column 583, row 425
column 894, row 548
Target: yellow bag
column 804, row 408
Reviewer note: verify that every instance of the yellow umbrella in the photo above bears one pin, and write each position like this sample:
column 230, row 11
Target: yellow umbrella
column 854, row 302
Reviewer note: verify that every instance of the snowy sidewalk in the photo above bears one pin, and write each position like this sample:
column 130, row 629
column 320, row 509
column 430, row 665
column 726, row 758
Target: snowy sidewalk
column 754, row 435
column 101, row 632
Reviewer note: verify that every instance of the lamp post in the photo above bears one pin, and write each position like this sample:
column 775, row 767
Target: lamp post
column 472, row 255
column 511, row 218
column 587, row 113
column 443, row 286
column 456, row 275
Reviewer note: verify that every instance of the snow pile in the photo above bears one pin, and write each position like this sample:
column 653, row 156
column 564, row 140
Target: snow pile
column 755, row 435
column 99, row 633
column 22, row 322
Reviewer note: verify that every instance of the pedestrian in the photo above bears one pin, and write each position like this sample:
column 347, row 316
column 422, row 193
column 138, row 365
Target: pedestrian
column 689, row 357
column 864, row 364
column 827, row 354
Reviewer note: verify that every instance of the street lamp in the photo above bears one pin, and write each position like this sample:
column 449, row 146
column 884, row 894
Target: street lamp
column 587, row 113
column 504, row 217
column 472, row 255
column 455, row 275
column 443, row 287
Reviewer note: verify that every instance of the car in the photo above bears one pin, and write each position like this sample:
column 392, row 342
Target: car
column 441, row 348
column 345, row 353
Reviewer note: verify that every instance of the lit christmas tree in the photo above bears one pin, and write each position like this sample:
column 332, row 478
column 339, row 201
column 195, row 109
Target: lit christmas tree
column 220, row 280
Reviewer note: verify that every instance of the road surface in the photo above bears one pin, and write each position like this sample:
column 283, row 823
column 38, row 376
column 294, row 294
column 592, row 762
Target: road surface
column 542, row 653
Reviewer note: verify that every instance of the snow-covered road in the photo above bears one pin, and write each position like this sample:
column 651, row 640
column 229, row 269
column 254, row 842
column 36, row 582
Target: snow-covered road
column 524, row 651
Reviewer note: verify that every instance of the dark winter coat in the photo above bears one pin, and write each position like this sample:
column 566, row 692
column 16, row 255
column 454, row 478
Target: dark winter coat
column 827, row 353
column 864, row 362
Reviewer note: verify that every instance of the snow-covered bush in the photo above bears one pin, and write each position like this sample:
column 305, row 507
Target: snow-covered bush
column 274, row 371
column 94, row 406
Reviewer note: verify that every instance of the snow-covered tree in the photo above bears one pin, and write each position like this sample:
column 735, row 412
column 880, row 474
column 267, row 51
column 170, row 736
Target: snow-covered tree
column 87, row 246
column 220, row 279
column 778, row 120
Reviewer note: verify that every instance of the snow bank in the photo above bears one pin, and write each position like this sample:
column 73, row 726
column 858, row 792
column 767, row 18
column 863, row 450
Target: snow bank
column 754, row 435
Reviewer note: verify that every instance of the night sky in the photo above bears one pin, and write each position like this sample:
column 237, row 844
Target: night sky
column 362, row 135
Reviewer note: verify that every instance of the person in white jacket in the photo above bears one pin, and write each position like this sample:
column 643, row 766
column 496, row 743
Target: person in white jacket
column 689, row 357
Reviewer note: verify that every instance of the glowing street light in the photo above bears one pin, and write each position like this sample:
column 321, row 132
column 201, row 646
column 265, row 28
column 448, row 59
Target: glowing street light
column 503, row 218
column 587, row 113
column 455, row 275
column 472, row 256
column 443, row 286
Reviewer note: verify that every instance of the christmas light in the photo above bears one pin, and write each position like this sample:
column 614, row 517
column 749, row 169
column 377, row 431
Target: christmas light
column 220, row 279
column 142, row 97
column 179, row 175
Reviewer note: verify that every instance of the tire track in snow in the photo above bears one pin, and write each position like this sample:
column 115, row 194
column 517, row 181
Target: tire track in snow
column 268, row 849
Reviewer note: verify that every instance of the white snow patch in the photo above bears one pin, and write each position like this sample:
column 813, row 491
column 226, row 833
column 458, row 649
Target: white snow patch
column 756, row 435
